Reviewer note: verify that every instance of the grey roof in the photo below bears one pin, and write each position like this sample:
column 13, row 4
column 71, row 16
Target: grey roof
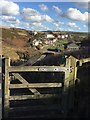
column 72, row 45
column 83, row 53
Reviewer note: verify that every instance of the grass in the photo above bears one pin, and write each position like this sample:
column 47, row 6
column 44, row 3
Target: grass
column 58, row 45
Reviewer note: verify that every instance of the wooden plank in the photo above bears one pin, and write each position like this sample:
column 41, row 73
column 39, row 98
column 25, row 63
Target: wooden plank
column 36, row 107
column 37, row 69
column 24, row 97
column 42, row 116
column 34, row 91
column 6, row 88
column 36, row 85
column 21, row 79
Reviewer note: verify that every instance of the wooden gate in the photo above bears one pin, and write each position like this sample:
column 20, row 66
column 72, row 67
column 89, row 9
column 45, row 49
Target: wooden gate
column 32, row 87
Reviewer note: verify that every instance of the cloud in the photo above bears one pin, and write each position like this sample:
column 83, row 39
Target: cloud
column 85, row 26
column 58, row 29
column 73, row 25
column 29, row 11
column 43, row 7
column 36, row 24
column 8, row 18
column 75, row 14
column 10, row 21
column 12, row 25
column 9, row 8
column 38, row 27
column 47, row 18
column 33, row 15
column 57, row 9
column 18, row 21
column 58, row 23
column 20, row 24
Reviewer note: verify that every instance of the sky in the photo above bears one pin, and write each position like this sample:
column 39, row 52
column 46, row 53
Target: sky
column 43, row 16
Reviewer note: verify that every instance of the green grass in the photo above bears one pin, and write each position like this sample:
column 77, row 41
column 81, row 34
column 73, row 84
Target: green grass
column 58, row 45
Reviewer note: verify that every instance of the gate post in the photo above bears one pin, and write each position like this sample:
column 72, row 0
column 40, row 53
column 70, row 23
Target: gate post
column 6, row 88
column 65, row 91
column 69, row 83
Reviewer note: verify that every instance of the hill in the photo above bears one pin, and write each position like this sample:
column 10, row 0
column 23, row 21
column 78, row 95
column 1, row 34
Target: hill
column 15, row 43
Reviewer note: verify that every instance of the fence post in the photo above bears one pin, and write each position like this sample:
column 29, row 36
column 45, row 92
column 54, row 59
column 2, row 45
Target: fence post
column 6, row 88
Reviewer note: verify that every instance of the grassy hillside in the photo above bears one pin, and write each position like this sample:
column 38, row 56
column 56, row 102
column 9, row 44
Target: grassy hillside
column 15, row 43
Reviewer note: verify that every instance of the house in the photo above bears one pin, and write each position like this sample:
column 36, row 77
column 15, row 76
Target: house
column 36, row 42
column 72, row 47
column 62, row 36
column 35, row 32
column 50, row 36
column 71, row 36
column 54, row 40
column 66, row 36
column 59, row 36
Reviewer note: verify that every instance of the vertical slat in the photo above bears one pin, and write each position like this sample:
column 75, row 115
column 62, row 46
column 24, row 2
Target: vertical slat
column 6, row 88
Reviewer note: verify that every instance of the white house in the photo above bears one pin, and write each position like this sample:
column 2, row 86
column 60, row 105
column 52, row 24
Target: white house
column 62, row 36
column 36, row 42
column 66, row 36
column 54, row 40
column 35, row 32
column 59, row 36
column 50, row 36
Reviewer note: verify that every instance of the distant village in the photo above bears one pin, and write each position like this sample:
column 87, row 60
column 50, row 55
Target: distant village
column 50, row 38
column 32, row 43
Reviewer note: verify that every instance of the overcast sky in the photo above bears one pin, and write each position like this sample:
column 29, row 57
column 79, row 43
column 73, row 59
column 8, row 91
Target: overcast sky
column 63, row 16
